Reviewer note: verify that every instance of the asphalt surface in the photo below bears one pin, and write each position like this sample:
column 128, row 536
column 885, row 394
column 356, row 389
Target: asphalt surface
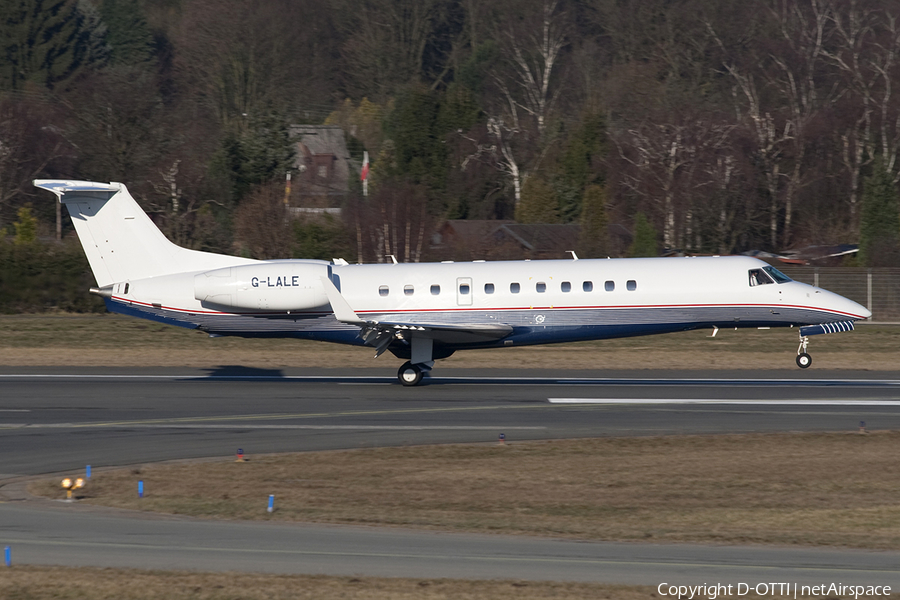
column 57, row 420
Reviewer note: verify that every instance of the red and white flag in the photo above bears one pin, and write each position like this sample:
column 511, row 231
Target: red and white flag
column 365, row 168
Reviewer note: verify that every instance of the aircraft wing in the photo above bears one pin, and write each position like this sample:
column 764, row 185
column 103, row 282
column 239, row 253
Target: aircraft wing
column 381, row 333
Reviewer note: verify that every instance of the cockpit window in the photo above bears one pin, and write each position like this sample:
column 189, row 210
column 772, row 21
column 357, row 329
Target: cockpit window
column 759, row 277
column 777, row 275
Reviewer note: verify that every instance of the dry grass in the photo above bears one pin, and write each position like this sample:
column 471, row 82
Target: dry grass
column 117, row 341
column 58, row 583
column 51, row 583
column 810, row 489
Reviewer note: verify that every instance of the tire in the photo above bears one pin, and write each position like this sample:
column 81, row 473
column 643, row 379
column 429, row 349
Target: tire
column 410, row 374
column 804, row 360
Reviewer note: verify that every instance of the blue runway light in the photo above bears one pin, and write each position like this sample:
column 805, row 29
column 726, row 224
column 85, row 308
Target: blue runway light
column 87, row 472
column 140, row 489
column 271, row 507
column 7, row 556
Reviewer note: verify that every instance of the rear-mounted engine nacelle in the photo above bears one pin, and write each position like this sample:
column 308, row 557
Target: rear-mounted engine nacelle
column 277, row 286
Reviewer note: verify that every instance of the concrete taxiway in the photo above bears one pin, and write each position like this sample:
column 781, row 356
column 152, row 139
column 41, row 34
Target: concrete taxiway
column 53, row 420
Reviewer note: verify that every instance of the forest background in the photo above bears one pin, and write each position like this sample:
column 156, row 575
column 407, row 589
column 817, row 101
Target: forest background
column 700, row 126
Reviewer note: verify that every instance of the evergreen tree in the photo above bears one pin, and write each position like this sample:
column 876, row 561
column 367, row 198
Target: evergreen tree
column 26, row 227
column 259, row 153
column 539, row 203
column 585, row 147
column 593, row 242
column 419, row 151
column 47, row 42
column 644, row 242
column 459, row 109
column 129, row 36
column 879, row 229
column 96, row 30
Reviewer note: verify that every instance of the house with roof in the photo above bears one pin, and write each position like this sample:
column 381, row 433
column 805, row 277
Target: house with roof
column 323, row 167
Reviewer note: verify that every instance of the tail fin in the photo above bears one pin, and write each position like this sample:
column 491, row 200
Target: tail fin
column 119, row 239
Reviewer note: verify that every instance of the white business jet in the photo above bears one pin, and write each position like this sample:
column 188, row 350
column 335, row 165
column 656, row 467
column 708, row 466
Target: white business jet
column 426, row 311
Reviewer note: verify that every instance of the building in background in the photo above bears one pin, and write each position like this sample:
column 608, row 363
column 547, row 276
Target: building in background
column 323, row 167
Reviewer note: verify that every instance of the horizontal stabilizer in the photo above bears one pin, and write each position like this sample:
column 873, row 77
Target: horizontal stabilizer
column 61, row 188
column 826, row 328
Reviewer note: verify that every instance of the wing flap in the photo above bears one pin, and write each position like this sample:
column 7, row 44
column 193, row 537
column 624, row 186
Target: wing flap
column 465, row 333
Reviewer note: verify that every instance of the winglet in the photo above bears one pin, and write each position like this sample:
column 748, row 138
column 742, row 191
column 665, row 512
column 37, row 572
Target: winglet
column 342, row 310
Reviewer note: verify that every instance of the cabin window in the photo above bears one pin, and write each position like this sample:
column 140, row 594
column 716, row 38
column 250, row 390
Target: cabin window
column 408, row 290
column 464, row 289
column 588, row 286
column 489, row 288
column 610, row 286
column 383, row 290
column 126, row 287
column 759, row 277
column 565, row 286
column 514, row 288
column 631, row 285
column 541, row 287
column 435, row 290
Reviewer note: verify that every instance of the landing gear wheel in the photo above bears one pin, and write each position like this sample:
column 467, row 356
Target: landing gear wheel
column 410, row 374
column 804, row 360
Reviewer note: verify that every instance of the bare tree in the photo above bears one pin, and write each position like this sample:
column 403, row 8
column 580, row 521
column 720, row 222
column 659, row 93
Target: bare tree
column 667, row 168
column 385, row 43
column 392, row 221
column 778, row 90
column 261, row 224
column 866, row 53
column 240, row 56
column 804, row 34
column 30, row 145
column 525, row 90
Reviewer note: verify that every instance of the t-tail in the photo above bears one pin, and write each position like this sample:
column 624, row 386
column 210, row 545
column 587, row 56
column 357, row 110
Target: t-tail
column 121, row 242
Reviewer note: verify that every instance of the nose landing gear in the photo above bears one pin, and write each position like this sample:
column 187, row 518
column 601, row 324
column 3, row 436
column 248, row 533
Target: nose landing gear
column 803, row 358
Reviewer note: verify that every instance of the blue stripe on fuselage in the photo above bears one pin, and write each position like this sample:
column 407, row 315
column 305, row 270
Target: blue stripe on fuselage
column 559, row 326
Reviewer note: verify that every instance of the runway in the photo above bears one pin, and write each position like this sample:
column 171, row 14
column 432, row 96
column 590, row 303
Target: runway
column 55, row 420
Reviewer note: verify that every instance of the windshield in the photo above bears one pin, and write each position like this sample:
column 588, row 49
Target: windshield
column 777, row 275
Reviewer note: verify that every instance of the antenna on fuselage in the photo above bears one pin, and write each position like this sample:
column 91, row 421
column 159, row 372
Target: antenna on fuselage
column 572, row 252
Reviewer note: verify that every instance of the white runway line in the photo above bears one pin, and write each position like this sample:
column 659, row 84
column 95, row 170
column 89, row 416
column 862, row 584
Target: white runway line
column 263, row 426
column 811, row 402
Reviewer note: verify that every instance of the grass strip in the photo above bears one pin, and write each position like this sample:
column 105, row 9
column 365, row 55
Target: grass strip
column 818, row 489
column 64, row 583
column 117, row 341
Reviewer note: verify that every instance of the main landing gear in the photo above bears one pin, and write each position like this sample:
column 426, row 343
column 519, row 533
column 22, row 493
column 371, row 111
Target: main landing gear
column 410, row 374
column 803, row 358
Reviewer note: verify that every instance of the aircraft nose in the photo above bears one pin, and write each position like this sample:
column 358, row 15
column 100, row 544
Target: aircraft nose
column 864, row 312
column 848, row 307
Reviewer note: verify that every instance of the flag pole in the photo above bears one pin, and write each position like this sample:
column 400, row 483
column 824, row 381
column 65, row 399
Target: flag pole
column 364, row 175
